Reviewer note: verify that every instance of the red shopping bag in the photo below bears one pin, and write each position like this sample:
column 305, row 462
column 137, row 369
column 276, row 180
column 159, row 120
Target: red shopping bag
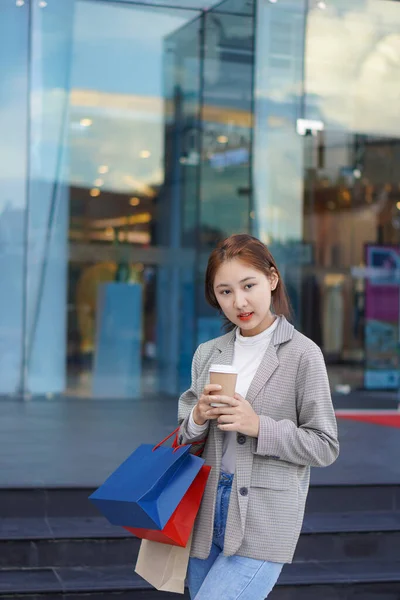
column 177, row 530
column 179, row 527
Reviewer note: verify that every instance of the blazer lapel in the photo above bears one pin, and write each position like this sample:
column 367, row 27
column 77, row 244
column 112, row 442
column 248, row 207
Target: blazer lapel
column 223, row 355
column 225, row 349
column 268, row 366
column 270, row 361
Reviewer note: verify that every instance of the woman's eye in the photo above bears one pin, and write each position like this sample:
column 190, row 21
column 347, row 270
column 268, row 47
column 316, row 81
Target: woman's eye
column 249, row 285
column 225, row 292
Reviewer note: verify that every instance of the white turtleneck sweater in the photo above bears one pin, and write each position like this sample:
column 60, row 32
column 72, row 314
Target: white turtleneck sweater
column 248, row 354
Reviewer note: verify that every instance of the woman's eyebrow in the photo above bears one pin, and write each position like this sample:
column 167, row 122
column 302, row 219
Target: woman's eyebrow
column 241, row 281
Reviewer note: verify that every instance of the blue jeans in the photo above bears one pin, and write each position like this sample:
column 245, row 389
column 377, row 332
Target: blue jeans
column 220, row 577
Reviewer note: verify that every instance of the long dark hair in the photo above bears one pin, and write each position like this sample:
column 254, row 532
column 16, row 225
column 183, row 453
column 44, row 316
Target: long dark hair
column 252, row 251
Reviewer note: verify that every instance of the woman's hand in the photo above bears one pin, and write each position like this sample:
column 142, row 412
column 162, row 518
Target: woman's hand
column 238, row 415
column 202, row 407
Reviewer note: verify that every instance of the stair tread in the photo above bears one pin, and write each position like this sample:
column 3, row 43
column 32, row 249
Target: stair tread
column 124, row 577
column 357, row 571
column 69, row 579
column 352, row 522
column 98, row 527
column 59, row 528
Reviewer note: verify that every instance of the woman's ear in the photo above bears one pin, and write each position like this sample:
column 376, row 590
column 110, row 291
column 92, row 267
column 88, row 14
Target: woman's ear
column 273, row 279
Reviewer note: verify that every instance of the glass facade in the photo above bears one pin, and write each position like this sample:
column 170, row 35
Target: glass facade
column 138, row 134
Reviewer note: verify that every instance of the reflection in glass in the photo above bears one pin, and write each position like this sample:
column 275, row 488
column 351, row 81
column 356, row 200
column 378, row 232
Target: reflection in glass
column 352, row 187
column 152, row 132
column 48, row 197
column 278, row 156
column 13, row 170
column 227, row 94
column 176, row 285
column 125, row 205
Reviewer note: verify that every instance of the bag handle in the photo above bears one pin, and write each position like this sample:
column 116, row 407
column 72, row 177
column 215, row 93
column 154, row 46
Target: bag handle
column 167, row 438
column 175, row 444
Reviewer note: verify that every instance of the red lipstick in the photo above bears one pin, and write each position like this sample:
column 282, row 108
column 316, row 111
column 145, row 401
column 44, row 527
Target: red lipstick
column 245, row 316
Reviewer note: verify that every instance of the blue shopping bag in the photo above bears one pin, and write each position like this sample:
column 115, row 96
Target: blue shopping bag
column 147, row 487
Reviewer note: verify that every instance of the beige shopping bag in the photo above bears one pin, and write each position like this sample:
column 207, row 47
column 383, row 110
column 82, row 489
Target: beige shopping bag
column 163, row 566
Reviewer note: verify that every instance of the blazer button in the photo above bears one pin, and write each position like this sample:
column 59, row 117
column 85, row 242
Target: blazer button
column 243, row 491
column 241, row 439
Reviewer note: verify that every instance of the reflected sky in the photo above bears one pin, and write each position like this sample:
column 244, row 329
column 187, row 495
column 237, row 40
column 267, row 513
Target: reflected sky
column 118, row 86
column 117, row 79
column 120, row 57
column 119, row 49
column 13, row 116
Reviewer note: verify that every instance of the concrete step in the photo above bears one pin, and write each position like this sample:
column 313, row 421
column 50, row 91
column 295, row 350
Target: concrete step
column 54, row 545
column 73, row 502
column 349, row 536
column 89, row 542
column 298, row 581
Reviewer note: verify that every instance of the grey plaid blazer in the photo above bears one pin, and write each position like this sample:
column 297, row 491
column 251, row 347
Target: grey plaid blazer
column 290, row 391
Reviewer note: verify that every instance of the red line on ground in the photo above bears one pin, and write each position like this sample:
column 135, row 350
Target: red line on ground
column 379, row 418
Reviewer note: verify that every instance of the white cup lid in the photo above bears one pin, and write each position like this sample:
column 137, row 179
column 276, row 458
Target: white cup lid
column 223, row 369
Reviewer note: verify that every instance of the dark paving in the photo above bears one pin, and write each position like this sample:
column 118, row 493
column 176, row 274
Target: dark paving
column 72, row 442
column 367, row 400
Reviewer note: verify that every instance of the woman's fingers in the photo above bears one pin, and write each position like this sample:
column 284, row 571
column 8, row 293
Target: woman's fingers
column 208, row 412
column 210, row 417
column 226, row 410
column 222, row 400
column 211, row 387
column 225, row 419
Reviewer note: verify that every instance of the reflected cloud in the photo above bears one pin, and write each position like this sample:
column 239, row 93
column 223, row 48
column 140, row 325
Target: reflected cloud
column 353, row 66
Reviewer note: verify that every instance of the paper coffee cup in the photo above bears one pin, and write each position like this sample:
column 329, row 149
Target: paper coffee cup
column 225, row 376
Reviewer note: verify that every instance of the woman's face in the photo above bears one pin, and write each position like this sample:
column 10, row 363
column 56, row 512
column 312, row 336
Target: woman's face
column 244, row 295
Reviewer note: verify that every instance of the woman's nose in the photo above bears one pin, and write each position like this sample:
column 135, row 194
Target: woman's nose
column 240, row 301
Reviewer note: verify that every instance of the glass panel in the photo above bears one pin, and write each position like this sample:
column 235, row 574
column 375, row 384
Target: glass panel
column 183, row 125
column 47, row 248
column 125, row 270
column 234, row 7
column 352, row 193
column 226, row 112
column 277, row 148
column 182, row 136
column 14, row 23
column 278, row 164
column 170, row 4
column 225, row 189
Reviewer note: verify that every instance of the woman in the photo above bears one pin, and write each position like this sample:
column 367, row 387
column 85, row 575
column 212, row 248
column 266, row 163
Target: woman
column 262, row 443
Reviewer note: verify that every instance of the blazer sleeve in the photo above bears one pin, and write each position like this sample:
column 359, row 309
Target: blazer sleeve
column 314, row 441
column 186, row 403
